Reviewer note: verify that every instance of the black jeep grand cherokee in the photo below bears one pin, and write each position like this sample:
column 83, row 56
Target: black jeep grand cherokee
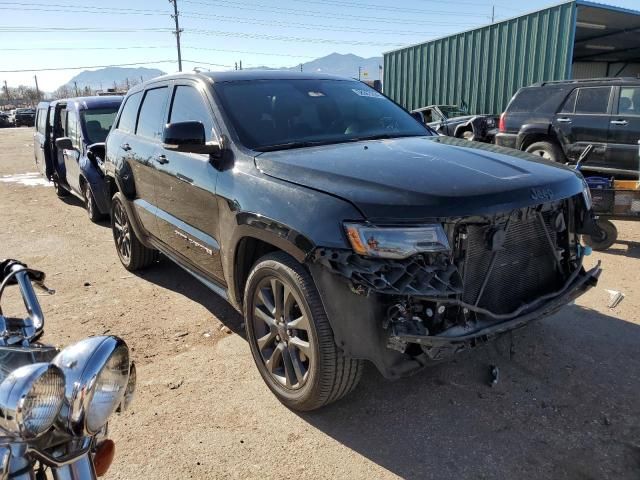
column 342, row 228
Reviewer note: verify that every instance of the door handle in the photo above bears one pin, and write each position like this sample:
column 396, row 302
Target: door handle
column 161, row 159
column 619, row 122
column 188, row 180
column 564, row 120
column 126, row 147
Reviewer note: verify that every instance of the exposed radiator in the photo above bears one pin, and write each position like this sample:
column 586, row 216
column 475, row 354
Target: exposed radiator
column 523, row 270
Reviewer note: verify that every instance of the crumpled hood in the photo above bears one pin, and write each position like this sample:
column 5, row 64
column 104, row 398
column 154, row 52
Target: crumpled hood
column 424, row 177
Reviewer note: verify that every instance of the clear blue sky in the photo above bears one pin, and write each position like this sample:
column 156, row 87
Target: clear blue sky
column 221, row 32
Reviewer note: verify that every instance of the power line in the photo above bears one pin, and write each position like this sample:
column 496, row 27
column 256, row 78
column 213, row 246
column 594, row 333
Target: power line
column 334, row 28
column 22, row 29
column 270, row 9
column 23, row 70
column 133, row 47
column 286, row 38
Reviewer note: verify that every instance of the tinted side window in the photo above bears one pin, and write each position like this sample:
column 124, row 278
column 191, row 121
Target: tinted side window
column 190, row 105
column 593, row 100
column 629, row 103
column 570, row 103
column 151, row 119
column 127, row 121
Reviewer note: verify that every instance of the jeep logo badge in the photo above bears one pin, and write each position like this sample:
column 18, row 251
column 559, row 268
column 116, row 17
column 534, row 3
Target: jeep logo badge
column 541, row 193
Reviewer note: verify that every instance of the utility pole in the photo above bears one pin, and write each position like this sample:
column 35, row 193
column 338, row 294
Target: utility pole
column 240, row 64
column 35, row 77
column 177, row 32
column 75, row 84
column 359, row 72
column 6, row 90
column 236, row 65
column 493, row 14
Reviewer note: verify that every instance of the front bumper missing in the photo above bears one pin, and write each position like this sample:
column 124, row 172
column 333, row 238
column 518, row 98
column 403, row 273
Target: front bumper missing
column 449, row 342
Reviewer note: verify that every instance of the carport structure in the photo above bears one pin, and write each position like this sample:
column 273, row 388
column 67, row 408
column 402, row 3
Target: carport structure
column 607, row 41
column 482, row 68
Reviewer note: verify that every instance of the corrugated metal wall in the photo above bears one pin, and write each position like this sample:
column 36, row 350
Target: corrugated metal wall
column 484, row 67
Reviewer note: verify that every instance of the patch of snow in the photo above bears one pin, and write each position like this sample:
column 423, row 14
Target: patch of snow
column 29, row 179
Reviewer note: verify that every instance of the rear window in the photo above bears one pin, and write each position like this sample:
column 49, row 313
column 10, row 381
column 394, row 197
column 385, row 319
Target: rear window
column 545, row 99
column 127, row 121
column 593, row 100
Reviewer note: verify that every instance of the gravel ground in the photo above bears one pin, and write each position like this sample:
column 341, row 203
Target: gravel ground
column 567, row 405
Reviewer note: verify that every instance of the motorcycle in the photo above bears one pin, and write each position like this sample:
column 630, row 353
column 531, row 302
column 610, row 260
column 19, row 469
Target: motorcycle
column 55, row 404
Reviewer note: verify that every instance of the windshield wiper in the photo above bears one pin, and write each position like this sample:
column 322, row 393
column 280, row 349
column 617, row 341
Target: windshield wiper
column 290, row 145
column 383, row 136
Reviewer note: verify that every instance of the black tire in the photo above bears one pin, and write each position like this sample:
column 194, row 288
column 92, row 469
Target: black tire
column 132, row 253
column 609, row 236
column 329, row 374
column 90, row 204
column 61, row 192
column 547, row 150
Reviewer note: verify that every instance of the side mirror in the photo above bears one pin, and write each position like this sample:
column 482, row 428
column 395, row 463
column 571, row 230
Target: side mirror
column 64, row 143
column 96, row 152
column 188, row 137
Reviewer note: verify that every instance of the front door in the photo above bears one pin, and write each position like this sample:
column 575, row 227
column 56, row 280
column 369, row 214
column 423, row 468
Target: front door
column 185, row 191
column 584, row 120
column 40, row 142
column 624, row 131
column 71, row 157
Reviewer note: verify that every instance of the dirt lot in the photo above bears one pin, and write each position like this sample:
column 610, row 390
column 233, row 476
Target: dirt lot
column 567, row 404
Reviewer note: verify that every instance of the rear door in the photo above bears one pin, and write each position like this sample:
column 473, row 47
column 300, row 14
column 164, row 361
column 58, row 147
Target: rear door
column 185, row 191
column 624, row 130
column 584, row 120
column 144, row 151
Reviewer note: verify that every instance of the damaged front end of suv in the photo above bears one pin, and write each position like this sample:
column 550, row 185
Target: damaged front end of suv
column 411, row 295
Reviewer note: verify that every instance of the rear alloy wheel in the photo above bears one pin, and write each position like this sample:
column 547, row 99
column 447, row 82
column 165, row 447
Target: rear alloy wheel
column 132, row 253
column 61, row 192
column 290, row 336
column 547, row 150
column 90, row 204
column 608, row 238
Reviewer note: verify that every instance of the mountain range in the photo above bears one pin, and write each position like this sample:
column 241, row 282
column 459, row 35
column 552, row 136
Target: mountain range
column 345, row 65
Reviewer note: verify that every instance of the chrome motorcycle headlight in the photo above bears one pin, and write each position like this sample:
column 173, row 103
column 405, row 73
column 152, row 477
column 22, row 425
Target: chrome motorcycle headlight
column 396, row 242
column 97, row 372
column 30, row 399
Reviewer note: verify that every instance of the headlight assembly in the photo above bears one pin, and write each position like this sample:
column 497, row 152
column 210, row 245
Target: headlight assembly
column 396, row 242
column 97, row 371
column 30, row 399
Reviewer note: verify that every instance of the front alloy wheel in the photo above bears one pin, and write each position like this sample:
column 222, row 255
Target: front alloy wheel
column 291, row 338
column 132, row 253
column 282, row 333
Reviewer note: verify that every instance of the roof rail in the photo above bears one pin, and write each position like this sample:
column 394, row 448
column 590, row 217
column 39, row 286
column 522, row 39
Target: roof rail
column 587, row 80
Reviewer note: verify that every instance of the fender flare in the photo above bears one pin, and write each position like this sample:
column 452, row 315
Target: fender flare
column 259, row 227
column 529, row 129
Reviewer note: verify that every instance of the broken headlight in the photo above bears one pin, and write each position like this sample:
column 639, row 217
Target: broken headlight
column 586, row 195
column 396, row 242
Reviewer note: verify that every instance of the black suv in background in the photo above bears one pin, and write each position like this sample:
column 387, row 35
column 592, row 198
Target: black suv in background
column 557, row 120
column 342, row 228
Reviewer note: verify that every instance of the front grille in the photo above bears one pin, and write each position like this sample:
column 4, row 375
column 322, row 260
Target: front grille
column 523, row 270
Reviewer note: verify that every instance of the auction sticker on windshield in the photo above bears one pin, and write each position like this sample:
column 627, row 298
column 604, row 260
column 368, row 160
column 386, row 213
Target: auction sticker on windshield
column 366, row 93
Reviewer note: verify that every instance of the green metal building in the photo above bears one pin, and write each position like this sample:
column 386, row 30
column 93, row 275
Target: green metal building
column 484, row 67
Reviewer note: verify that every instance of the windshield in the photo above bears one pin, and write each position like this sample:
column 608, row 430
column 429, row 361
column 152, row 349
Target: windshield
column 98, row 122
column 279, row 114
column 452, row 111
